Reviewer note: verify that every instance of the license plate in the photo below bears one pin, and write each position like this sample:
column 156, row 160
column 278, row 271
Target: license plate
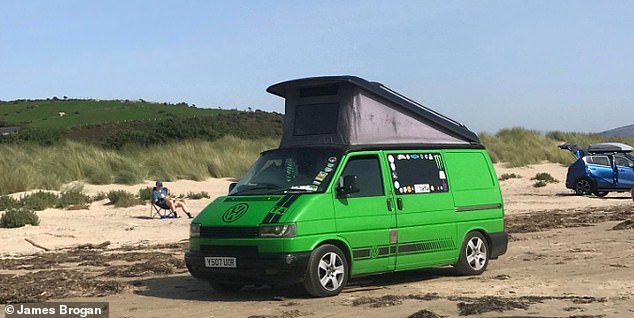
column 222, row 262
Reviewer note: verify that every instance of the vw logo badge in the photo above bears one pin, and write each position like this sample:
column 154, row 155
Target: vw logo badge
column 235, row 212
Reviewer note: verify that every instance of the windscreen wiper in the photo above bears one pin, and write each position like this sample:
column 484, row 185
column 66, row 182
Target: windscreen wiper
column 260, row 186
column 302, row 189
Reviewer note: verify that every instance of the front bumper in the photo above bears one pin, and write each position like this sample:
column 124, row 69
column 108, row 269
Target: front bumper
column 286, row 268
column 499, row 244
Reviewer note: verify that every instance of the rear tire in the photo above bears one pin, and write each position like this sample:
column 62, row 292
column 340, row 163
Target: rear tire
column 583, row 186
column 225, row 287
column 327, row 272
column 474, row 255
column 600, row 193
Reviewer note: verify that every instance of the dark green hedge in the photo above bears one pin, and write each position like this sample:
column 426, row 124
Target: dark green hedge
column 247, row 125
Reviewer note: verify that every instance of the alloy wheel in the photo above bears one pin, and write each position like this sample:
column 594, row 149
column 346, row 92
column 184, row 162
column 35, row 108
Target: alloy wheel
column 331, row 271
column 583, row 187
column 476, row 253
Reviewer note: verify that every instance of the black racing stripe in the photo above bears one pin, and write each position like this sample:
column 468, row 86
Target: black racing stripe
column 270, row 215
column 280, row 207
column 361, row 253
column 291, row 198
column 278, row 214
column 409, row 248
column 426, row 246
column 283, row 200
column 406, row 248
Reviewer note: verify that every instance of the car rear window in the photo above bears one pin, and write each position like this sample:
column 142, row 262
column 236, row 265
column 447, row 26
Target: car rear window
column 598, row 160
column 620, row 161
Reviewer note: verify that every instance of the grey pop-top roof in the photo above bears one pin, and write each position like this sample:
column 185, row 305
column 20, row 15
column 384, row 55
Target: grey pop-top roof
column 351, row 111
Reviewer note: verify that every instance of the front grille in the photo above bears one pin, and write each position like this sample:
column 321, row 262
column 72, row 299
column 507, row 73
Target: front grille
column 223, row 250
column 229, row 232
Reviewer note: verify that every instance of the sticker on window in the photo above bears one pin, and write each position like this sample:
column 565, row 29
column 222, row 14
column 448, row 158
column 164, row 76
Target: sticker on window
column 418, row 173
column 422, row 188
column 321, row 176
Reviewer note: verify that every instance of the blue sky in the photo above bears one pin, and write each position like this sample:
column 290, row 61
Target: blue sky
column 545, row 65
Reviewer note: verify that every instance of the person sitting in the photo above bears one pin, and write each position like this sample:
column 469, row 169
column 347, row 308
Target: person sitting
column 161, row 197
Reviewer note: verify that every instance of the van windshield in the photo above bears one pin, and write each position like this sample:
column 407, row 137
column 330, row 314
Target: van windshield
column 300, row 170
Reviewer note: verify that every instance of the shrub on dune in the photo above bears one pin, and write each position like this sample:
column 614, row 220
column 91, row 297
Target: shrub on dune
column 39, row 200
column 145, row 194
column 7, row 202
column 123, row 199
column 18, row 217
column 73, row 198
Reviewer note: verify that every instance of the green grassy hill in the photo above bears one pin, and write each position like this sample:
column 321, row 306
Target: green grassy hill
column 45, row 113
column 115, row 124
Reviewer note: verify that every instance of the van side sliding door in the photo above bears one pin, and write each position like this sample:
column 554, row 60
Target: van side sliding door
column 425, row 210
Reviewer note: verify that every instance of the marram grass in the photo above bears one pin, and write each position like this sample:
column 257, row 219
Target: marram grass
column 516, row 147
column 26, row 167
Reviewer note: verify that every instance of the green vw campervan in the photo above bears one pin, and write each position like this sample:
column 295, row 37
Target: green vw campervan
column 364, row 181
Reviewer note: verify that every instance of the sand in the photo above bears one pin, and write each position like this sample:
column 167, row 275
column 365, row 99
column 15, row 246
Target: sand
column 103, row 222
column 575, row 265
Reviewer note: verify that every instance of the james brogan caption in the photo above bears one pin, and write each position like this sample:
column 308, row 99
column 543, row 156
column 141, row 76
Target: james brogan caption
column 57, row 310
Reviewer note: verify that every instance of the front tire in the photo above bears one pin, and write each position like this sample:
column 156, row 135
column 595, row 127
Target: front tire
column 600, row 193
column 474, row 255
column 583, row 186
column 327, row 272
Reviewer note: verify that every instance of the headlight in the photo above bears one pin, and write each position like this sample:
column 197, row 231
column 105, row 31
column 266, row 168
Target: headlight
column 280, row 230
column 194, row 230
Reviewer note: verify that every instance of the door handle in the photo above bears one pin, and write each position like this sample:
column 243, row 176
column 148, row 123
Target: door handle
column 389, row 205
column 399, row 203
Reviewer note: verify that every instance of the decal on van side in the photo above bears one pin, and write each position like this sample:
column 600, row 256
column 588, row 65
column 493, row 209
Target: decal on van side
column 280, row 207
column 404, row 248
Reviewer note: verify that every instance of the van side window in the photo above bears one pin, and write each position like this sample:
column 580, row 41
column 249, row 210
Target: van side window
column 418, row 173
column 368, row 172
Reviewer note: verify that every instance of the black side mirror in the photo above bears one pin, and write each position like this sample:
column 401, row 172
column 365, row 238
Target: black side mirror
column 232, row 185
column 350, row 185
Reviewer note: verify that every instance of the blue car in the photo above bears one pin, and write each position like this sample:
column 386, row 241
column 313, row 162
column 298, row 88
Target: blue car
column 600, row 169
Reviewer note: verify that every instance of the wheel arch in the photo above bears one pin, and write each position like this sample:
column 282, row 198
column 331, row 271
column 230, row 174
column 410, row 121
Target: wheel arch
column 341, row 244
column 480, row 230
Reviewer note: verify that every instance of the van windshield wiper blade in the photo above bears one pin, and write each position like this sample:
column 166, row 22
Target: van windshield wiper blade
column 302, row 188
column 261, row 186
